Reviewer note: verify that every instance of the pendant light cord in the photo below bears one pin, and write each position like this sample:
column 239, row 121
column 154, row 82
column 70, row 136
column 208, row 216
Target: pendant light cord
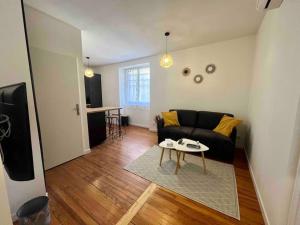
column 167, row 35
column 166, row 45
column 88, row 58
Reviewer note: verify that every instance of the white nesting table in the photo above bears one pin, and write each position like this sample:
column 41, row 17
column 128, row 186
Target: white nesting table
column 183, row 148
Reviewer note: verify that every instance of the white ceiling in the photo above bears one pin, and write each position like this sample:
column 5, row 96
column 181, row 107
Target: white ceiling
column 120, row 30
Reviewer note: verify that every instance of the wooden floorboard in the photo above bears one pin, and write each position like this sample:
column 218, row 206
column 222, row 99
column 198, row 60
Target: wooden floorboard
column 126, row 219
column 95, row 189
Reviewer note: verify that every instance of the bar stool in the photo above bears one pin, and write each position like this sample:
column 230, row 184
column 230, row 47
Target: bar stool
column 124, row 122
column 112, row 122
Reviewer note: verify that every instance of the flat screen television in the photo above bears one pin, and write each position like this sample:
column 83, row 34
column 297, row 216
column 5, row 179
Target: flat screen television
column 16, row 147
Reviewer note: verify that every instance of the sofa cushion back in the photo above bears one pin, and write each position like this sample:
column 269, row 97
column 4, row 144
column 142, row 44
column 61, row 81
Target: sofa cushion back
column 209, row 120
column 186, row 118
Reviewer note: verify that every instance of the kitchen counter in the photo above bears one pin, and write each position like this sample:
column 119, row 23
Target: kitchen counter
column 101, row 109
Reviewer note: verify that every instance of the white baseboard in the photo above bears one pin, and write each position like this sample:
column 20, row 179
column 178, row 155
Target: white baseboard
column 138, row 125
column 261, row 204
column 153, row 129
column 86, row 151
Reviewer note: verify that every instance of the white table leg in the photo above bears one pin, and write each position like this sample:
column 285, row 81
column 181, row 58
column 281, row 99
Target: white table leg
column 162, row 154
column 178, row 161
column 203, row 159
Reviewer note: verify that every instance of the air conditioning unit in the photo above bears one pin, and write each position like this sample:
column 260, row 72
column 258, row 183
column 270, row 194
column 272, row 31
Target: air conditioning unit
column 268, row 4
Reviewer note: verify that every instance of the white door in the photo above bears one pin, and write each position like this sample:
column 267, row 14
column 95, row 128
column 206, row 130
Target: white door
column 55, row 79
column 294, row 213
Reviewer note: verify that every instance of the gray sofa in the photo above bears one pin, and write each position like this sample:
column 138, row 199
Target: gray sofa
column 198, row 126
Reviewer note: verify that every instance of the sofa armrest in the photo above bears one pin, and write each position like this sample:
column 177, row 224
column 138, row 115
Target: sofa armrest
column 233, row 135
column 160, row 126
column 159, row 122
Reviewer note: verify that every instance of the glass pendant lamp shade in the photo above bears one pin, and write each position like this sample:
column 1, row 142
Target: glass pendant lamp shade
column 88, row 71
column 166, row 61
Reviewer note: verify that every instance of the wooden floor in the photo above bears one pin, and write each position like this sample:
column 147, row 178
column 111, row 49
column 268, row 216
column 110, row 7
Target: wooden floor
column 94, row 189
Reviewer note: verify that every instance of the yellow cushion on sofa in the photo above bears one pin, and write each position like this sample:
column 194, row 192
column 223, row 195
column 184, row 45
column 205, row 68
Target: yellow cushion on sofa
column 170, row 119
column 226, row 125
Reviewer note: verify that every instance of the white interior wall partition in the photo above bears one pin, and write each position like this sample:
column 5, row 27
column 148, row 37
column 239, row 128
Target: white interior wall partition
column 273, row 150
column 15, row 69
column 48, row 33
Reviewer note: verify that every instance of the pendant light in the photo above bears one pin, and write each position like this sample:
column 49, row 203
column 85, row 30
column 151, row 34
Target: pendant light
column 166, row 60
column 88, row 71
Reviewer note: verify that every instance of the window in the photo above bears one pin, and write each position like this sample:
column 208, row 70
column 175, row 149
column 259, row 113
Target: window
column 135, row 86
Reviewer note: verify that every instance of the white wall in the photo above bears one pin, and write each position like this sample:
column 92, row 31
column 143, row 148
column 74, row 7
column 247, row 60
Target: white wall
column 47, row 33
column 227, row 90
column 5, row 217
column 14, row 69
column 272, row 151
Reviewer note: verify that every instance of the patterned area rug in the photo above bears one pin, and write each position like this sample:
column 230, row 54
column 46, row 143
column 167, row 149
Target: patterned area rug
column 215, row 189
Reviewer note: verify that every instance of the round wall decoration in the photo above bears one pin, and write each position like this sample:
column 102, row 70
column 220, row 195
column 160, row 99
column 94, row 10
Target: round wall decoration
column 211, row 68
column 198, row 79
column 186, row 71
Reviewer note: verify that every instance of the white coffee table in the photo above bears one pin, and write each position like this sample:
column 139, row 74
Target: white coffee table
column 182, row 148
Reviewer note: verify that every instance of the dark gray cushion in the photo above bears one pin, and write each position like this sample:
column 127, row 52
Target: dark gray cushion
column 186, row 117
column 209, row 120
column 199, row 134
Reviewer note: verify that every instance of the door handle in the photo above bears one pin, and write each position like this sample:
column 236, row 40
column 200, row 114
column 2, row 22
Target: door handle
column 77, row 109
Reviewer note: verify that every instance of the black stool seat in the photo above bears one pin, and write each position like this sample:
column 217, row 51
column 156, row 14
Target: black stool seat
column 124, row 119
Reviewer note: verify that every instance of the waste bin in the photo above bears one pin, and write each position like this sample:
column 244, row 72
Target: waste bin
column 34, row 212
column 124, row 120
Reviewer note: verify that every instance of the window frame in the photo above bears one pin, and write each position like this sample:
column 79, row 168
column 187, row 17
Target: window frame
column 125, row 86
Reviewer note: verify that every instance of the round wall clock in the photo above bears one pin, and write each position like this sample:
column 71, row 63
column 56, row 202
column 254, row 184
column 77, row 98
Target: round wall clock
column 198, row 79
column 186, row 71
column 211, row 68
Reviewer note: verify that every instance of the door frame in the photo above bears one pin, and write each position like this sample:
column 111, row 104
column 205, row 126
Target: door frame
column 294, row 207
column 295, row 201
column 33, row 88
